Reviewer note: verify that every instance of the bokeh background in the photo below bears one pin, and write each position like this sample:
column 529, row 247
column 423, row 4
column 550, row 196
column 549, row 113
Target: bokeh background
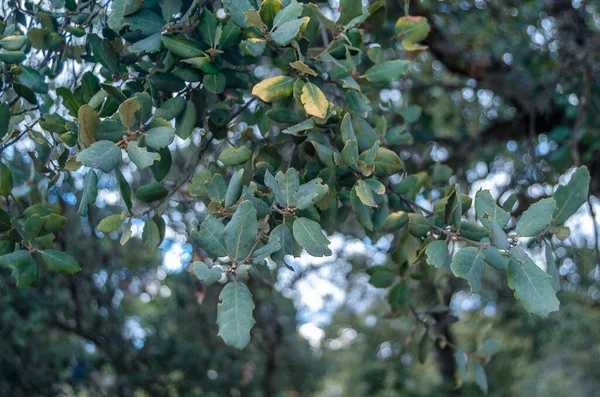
column 507, row 95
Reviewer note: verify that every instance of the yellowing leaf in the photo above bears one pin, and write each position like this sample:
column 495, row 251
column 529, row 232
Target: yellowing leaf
column 274, row 88
column 88, row 124
column 314, row 101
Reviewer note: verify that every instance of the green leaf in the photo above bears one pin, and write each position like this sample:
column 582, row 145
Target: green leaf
column 15, row 57
column 117, row 14
column 314, row 101
column 481, row 378
column 124, row 189
column 160, row 169
column 309, row 235
column 59, row 261
column 536, row 218
column 283, row 234
column 186, row 122
column 362, row 212
column 4, row 119
column 346, row 128
column 398, row 297
column 253, row 46
column 6, row 180
column 53, row 223
column 13, row 43
column 418, row 225
column 170, row 109
column 234, row 190
column 288, row 31
column 234, row 314
column 151, row 236
column 240, row 231
column 33, row 80
column 386, row 162
column 498, row 237
column 308, row 194
column 88, row 124
column 160, row 137
column 490, row 347
column 386, row 72
column 209, row 275
column 215, row 82
column 461, row 362
column 140, row 155
column 272, row 184
column 485, row 204
column 571, row 196
column 268, row 10
column 197, row 186
column 208, row 28
column 411, row 114
column 110, row 224
column 233, row 156
column 365, row 193
column 350, row 153
column 26, row 93
column 182, row 47
column 468, row 264
column 349, row 9
column 217, row 188
column 381, row 276
column 453, row 210
column 90, row 192
column 551, row 267
column 53, row 123
column 289, row 184
column 170, row 8
column 395, row 221
column 236, row 9
column 210, row 237
column 114, row 93
column 150, row 44
column 495, row 258
column 300, row 128
column 272, row 246
column 412, row 28
column 151, row 192
column 104, row 155
column 437, row 254
column 287, row 14
column 274, row 88
column 23, row 265
column 533, row 287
